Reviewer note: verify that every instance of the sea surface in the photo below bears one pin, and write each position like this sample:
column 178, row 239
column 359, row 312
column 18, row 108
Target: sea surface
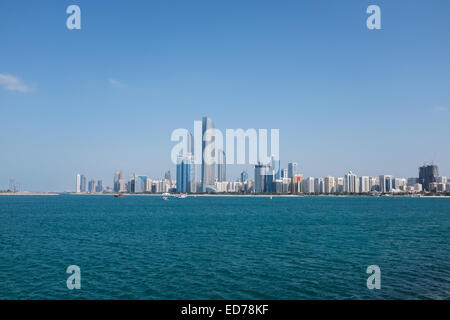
column 141, row 247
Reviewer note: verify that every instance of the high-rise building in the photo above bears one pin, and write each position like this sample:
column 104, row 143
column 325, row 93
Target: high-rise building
column 99, row 187
column 350, row 182
column 244, row 176
column 329, row 184
column 364, row 184
column 428, row 174
column 167, row 175
column 83, row 183
column 148, row 185
column 284, row 173
column 386, row 183
column 185, row 174
column 339, row 184
column 140, row 183
column 78, row 186
column 208, row 168
column 221, row 166
column 260, row 177
column 318, row 185
column 275, row 164
column 308, row 184
column 269, row 180
column 292, row 169
column 92, row 186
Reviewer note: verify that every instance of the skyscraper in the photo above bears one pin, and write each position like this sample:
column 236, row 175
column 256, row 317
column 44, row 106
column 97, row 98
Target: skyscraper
column 167, row 175
column 78, row 187
column 292, row 169
column 260, row 177
column 185, row 174
column 208, row 169
column 428, row 174
column 83, row 183
column 221, row 166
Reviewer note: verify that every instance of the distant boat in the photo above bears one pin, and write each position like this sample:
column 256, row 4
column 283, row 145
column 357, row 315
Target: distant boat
column 120, row 195
column 182, row 196
column 165, row 196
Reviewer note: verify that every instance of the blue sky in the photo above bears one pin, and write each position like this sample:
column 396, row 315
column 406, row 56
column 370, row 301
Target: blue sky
column 108, row 96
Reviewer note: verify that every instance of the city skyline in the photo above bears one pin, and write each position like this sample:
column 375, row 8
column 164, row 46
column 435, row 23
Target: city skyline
column 269, row 178
column 344, row 97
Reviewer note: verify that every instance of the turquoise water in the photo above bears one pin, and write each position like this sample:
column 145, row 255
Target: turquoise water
column 224, row 247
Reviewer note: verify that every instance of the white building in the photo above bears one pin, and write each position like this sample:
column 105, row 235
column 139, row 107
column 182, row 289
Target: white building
column 78, row 187
column 364, row 184
column 351, row 182
column 308, row 185
column 328, row 185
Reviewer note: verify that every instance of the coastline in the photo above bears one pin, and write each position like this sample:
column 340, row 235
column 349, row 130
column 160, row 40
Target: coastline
column 19, row 194
column 194, row 195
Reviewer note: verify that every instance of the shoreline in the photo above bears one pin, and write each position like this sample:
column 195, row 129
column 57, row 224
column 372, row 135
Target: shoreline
column 259, row 195
column 19, row 194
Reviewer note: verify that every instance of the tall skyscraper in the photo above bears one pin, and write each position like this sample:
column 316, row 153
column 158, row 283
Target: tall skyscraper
column 185, row 174
column 260, row 177
column 428, row 174
column 167, row 175
column 292, row 169
column 78, row 186
column 221, row 166
column 208, row 169
column 83, row 183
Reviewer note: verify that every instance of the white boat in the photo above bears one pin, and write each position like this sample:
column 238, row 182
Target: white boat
column 182, row 196
column 165, row 196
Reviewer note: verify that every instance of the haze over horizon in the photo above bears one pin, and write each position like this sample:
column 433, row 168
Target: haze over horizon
column 107, row 97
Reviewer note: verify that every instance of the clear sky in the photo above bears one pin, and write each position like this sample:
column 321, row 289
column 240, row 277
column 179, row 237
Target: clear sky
column 108, row 96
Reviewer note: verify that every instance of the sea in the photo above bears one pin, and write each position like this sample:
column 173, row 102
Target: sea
column 212, row 247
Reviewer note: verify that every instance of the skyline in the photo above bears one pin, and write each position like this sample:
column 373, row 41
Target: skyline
column 107, row 97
